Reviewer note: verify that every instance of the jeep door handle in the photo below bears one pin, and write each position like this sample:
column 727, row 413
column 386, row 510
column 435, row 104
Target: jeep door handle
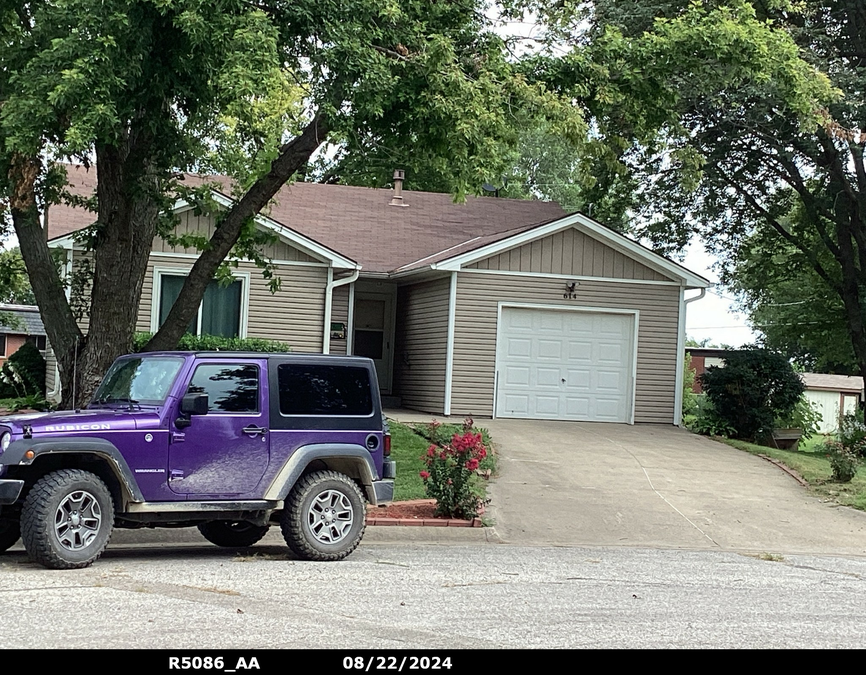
column 252, row 430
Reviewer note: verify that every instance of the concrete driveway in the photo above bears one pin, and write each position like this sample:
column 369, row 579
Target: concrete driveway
column 569, row 483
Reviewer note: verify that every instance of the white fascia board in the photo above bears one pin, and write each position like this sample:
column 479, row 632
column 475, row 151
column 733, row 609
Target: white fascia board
column 587, row 225
column 306, row 244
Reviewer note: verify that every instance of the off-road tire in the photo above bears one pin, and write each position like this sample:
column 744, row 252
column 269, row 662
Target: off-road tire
column 86, row 535
column 304, row 521
column 232, row 533
column 10, row 532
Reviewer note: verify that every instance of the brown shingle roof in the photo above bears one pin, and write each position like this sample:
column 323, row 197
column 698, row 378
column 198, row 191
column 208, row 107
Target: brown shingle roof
column 825, row 382
column 359, row 222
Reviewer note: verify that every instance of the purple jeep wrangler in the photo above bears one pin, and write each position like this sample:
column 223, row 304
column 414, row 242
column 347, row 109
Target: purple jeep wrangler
column 230, row 442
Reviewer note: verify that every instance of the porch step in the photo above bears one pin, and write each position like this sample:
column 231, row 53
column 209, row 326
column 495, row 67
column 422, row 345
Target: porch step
column 391, row 401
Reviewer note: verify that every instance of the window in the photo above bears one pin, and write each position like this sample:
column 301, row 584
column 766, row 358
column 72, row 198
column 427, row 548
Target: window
column 219, row 312
column 2, row 344
column 38, row 341
column 140, row 379
column 324, row 390
column 230, row 388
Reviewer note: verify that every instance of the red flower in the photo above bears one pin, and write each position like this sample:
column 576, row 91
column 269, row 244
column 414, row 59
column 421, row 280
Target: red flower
column 431, row 451
column 472, row 464
column 425, row 475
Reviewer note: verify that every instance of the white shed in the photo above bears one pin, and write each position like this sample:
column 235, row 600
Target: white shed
column 832, row 395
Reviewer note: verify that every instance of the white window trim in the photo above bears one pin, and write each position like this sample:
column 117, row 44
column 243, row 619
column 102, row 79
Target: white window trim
column 156, row 297
column 567, row 308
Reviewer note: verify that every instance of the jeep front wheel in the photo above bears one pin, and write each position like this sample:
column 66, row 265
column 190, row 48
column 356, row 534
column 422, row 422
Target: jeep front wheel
column 232, row 534
column 324, row 516
column 67, row 519
column 9, row 534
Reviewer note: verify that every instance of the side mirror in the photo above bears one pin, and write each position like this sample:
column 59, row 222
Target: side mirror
column 194, row 404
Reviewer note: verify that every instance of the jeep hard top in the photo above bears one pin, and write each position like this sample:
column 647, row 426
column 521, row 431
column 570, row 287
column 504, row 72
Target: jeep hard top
column 229, row 442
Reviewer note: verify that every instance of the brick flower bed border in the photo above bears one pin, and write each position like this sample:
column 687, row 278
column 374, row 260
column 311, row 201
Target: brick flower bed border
column 420, row 522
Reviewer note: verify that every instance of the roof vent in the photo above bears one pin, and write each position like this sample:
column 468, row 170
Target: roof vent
column 397, row 199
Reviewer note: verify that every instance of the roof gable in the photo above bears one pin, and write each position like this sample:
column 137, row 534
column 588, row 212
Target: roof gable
column 569, row 252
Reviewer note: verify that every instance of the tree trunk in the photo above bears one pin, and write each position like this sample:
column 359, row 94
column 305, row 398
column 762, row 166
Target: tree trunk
column 129, row 205
column 60, row 325
column 292, row 157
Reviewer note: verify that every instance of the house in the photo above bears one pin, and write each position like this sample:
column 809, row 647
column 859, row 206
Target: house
column 25, row 326
column 493, row 307
column 832, row 395
column 702, row 358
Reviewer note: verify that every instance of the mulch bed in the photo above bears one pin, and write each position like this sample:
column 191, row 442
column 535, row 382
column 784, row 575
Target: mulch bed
column 414, row 513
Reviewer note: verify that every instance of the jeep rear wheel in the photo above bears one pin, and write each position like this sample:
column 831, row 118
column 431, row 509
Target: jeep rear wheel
column 324, row 516
column 232, row 533
column 10, row 532
column 67, row 519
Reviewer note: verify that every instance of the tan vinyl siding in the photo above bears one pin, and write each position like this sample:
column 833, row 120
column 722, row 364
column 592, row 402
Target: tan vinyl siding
column 421, row 345
column 294, row 314
column 340, row 314
column 50, row 372
column 203, row 226
column 478, row 296
column 569, row 252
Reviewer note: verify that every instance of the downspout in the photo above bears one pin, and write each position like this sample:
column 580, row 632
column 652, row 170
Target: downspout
column 681, row 354
column 329, row 296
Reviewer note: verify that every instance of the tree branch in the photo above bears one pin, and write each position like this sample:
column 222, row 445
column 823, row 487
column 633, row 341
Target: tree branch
column 783, row 232
column 293, row 155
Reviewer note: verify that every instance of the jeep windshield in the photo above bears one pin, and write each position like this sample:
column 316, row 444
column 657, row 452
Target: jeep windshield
column 140, row 380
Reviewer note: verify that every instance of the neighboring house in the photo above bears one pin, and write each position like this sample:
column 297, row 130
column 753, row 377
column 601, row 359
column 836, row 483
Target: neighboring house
column 832, row 395
column 26, row 326
column 701, row 359
column 493, row 307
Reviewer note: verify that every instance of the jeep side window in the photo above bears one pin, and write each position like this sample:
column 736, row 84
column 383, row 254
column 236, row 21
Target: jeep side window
column 324, row 390
column 230, row 387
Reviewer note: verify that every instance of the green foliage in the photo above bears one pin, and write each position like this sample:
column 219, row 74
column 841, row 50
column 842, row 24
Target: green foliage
column 441, row 433
column 29, row 402
column 752, row 390
column 690, row 399
column 852, row 433
column 14, row 284
column 706, row 421
column 843, row 461
column 215, row 343
column 23, row 374
column 804, row 416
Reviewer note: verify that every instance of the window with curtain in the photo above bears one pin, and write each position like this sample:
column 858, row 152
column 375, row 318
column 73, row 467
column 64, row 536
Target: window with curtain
column 219, row 312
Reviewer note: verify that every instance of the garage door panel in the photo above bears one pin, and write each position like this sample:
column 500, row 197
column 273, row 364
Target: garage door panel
column 519, row 348
column 547, row 406
column 517, row 376
column 550, row 349
column 558, row 364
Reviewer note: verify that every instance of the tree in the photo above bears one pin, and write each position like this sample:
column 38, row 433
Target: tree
column 739, row 118
column 794, row 308
column 153, row 88
column 14, row 285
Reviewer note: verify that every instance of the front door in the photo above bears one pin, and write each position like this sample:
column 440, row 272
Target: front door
column 373, row 333
column 226, row 451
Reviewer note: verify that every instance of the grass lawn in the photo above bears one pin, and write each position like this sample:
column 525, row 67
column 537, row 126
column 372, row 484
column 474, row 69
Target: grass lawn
column 815, row 470
column 408, row 449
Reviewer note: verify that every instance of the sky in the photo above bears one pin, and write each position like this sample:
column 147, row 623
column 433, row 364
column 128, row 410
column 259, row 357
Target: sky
column 714, row 316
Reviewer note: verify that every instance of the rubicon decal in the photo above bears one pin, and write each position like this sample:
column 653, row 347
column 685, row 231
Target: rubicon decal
column 77, row 427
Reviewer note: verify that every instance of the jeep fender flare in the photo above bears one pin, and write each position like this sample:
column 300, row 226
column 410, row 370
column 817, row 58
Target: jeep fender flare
column 344, row 457
column 96, row 447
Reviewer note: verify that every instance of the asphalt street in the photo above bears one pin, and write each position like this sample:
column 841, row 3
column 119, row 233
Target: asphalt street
column 405, row 595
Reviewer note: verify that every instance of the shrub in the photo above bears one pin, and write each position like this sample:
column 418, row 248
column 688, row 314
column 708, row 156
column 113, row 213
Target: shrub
column 23, row 374
column 451, row 475
column 843, row 462
column 215, row 343
column 752, row 390
column 704, row 419
column 852, row 433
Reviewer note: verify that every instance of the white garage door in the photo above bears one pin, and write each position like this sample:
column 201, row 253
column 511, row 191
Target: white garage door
column 565, row 365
